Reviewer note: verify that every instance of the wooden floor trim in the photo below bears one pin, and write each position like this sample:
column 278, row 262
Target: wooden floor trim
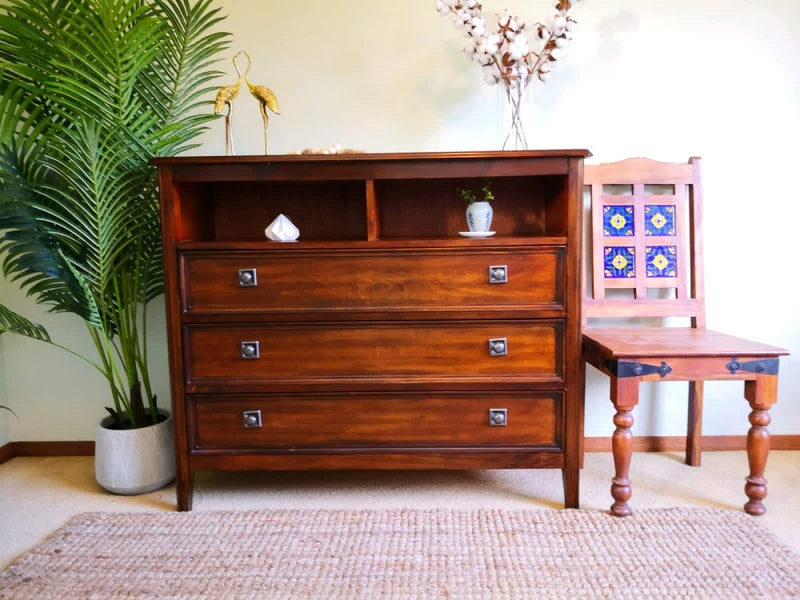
column 591, row 444
column 16, row 449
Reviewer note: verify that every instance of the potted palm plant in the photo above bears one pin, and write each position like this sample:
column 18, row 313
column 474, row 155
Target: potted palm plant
column 90, row 91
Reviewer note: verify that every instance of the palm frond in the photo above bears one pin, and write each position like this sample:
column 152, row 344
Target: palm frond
column 90, row 91
column 15, row 323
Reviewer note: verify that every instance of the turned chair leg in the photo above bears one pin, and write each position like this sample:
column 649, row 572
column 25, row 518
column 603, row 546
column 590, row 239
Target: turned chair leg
column 694, row 424
column 624, row 395
column 761, row 394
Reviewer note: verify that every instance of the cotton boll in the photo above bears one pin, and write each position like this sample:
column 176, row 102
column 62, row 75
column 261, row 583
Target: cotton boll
column 493, row 43
column 542, row 32
column 478, row 26
column 552, row 18
column 522, row 41
column 544, row 73
column 482, row 58
column 482, row 54
column 470, row 52
column 516, row 51
column 490, row 74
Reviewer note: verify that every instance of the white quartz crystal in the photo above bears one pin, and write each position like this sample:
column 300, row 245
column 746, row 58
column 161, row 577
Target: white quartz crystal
column 282, row 230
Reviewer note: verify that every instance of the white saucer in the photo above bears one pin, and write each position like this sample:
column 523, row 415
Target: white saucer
column 476, row 234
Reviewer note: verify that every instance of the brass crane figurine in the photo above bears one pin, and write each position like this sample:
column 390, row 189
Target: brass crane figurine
column 266, row 99
column 225, row 97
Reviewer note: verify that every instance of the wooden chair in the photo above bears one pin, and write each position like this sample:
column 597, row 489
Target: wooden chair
column 646, row 262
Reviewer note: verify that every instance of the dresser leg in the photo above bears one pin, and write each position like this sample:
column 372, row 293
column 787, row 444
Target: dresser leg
column 184, row 489
column 761, row 394
column 571, row 479
column 624, row 395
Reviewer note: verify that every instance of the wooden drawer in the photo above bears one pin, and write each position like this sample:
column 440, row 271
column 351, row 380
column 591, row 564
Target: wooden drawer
column 500, row 353
column 385, row 420
column 396, row 281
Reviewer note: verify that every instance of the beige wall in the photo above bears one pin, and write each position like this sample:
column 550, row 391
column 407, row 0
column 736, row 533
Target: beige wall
column 660, row 79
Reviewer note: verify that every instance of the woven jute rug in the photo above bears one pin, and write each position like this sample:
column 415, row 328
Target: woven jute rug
column 497, row 554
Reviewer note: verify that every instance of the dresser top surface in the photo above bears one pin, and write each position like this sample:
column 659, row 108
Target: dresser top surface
column 397, row 157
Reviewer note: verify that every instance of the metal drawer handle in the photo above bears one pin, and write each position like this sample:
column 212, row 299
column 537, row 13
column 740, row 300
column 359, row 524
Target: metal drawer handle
column 498, row 417
column 251, row 419
column 498, row 347
column 498, row 274
column 249, row 349
column 248, row 277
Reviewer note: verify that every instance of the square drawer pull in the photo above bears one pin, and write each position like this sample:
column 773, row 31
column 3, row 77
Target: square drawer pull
column 498, row 347
column 251, row 419
column 249, row 349
column 498, row 417
column 248, row 277
column 498, row 274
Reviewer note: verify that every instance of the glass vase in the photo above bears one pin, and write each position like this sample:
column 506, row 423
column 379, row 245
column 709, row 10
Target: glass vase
column 515, row 103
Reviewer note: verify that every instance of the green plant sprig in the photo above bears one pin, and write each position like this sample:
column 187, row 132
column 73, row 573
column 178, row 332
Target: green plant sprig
column 469, row 196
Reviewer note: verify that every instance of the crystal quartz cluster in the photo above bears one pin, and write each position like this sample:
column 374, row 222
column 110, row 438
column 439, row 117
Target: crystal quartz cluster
column 506, row 55
column 282, row 230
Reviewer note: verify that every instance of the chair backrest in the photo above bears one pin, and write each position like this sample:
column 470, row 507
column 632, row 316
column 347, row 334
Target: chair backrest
column 646, row 245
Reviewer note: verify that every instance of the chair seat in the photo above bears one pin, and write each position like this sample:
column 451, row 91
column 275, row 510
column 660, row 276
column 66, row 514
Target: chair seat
column 659, row 342
column 677, row 354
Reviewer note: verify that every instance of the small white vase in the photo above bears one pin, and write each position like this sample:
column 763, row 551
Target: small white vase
column 479, row 216
column 134, row 461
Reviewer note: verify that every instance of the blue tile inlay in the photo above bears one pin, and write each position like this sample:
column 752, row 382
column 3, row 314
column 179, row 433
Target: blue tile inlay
column 617, row 220
column 659, row 219
column 661, row 261
column 619, row 262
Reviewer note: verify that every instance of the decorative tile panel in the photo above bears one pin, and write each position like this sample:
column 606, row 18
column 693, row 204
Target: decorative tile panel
column 659, row 219
column 619, row 262
column 661, row 261
column 617, row 220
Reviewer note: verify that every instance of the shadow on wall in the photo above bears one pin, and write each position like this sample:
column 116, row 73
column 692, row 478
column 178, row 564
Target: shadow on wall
column 609, row 28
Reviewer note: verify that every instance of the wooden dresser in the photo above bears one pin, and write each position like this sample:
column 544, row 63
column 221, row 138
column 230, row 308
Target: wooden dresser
column 381, row 339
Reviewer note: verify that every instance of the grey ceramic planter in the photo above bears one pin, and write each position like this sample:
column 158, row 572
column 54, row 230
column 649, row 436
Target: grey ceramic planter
column 134, row 461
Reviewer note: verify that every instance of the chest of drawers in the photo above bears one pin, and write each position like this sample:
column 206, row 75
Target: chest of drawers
column 381, row 339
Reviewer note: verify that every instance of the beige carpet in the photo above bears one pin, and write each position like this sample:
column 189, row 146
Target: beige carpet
column 483, row 553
